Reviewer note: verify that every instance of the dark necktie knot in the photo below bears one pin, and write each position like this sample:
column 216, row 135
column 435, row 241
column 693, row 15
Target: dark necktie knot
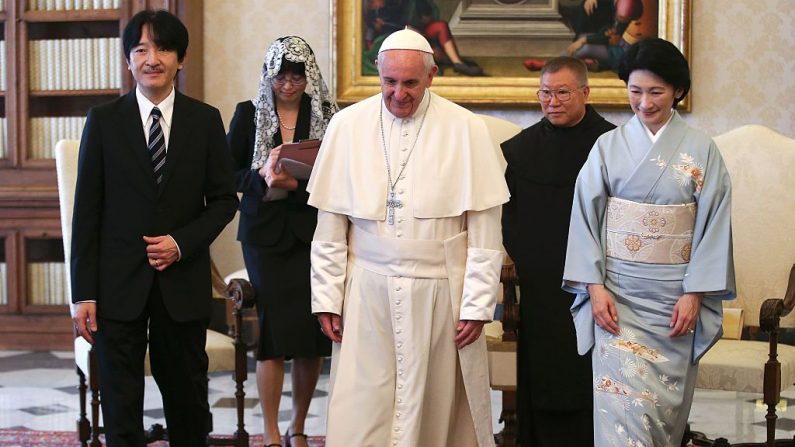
column 156, row 114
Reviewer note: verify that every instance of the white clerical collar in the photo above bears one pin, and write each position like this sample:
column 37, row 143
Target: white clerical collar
column 417, row 113
column 656, row 136
column 166, row 107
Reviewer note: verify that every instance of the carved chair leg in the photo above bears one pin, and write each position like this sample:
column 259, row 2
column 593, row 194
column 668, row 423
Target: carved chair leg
column 83, row 426
column 509, row 432
column 772, row 386
column 241, row 374
column 93, row 383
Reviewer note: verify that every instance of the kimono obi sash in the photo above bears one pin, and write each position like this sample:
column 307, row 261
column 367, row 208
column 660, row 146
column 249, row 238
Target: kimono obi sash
column 410, row 258
column 648, row 233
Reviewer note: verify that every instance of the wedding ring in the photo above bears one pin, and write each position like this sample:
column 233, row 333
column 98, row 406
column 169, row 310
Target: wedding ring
column 157, row 262
column 691, row 330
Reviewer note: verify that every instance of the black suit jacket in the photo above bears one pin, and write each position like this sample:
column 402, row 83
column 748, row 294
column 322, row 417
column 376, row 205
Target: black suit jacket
column 278, row 223
column 117, row 202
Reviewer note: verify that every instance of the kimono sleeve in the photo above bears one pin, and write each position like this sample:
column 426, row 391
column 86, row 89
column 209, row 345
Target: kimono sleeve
column 711, row 267
column 585, row 255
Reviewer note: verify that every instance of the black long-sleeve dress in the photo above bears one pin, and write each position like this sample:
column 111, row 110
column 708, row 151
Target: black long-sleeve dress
column 554, row 393
column 276, row 237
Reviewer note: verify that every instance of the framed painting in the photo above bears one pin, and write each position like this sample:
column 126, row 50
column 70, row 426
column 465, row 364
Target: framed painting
column 490, row 52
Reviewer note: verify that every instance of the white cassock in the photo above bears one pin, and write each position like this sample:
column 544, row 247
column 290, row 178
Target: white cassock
column 397, row 378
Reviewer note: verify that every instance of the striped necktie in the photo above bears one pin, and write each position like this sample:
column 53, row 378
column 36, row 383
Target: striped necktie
column 157, row 145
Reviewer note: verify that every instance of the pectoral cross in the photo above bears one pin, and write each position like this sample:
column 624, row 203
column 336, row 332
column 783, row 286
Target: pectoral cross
column 392, row 202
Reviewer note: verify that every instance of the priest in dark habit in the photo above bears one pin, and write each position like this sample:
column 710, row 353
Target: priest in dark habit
column 554, row 394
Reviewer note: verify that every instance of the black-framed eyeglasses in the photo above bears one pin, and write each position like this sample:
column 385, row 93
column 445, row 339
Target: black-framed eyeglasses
column 296, row 80
column 563, row 94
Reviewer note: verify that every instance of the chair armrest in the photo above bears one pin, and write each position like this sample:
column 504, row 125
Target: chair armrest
column 774, row 309
column 769, row 317
column 241, row 292
column 510, row 305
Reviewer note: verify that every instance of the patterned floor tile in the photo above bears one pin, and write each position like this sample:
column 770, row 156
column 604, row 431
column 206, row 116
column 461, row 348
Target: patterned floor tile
column 32, row 360
column 231, row 402
column 43, row 411
column 317, row 393
column 782, row 424
column 155, row 413
column 38, row 390
column 72, row 389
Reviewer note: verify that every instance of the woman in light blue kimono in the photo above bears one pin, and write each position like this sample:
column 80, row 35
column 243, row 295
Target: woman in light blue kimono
column 649, row 256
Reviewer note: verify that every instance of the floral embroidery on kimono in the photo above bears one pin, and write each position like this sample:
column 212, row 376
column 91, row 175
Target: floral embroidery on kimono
column 687, row 170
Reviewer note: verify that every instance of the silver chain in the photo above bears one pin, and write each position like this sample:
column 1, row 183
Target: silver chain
column 386, row 151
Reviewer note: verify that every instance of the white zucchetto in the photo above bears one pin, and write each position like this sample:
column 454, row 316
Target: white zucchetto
column 406, row 39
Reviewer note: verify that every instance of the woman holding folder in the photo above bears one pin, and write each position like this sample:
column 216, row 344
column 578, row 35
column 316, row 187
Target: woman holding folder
column 276, row 226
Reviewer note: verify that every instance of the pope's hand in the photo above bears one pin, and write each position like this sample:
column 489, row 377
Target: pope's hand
column 467, row 331
column 331, row 325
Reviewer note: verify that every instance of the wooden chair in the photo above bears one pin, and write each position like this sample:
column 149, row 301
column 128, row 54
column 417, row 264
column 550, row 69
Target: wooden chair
column 501, row 340
column 770, row 314
column 501, row 335
column 225, row 352
column 761, row 163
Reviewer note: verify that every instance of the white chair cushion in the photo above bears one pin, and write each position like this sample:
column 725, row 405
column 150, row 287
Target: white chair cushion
column 502, row 358
column 239, row 274
column 220, row 350
column 738, row 365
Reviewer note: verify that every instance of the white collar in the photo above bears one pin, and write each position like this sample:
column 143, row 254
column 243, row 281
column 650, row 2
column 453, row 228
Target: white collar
column 166, row 106
column 656, row 136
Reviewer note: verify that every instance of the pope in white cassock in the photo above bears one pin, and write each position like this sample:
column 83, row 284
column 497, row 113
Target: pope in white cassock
column 406, row 260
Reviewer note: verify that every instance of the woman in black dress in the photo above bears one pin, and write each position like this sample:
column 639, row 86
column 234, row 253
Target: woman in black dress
column 276, row 226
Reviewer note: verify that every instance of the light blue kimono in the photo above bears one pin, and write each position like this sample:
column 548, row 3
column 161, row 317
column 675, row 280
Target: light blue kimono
column 644, row 379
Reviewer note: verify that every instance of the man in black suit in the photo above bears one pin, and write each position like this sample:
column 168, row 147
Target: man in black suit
column 154, row 188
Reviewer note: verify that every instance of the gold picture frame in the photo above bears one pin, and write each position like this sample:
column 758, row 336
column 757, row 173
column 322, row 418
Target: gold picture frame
column 512, row 90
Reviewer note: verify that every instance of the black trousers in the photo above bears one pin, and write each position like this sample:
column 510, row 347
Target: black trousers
column 179, row 365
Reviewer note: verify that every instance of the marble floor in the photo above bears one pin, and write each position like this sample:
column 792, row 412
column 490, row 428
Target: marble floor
column 38, row 391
